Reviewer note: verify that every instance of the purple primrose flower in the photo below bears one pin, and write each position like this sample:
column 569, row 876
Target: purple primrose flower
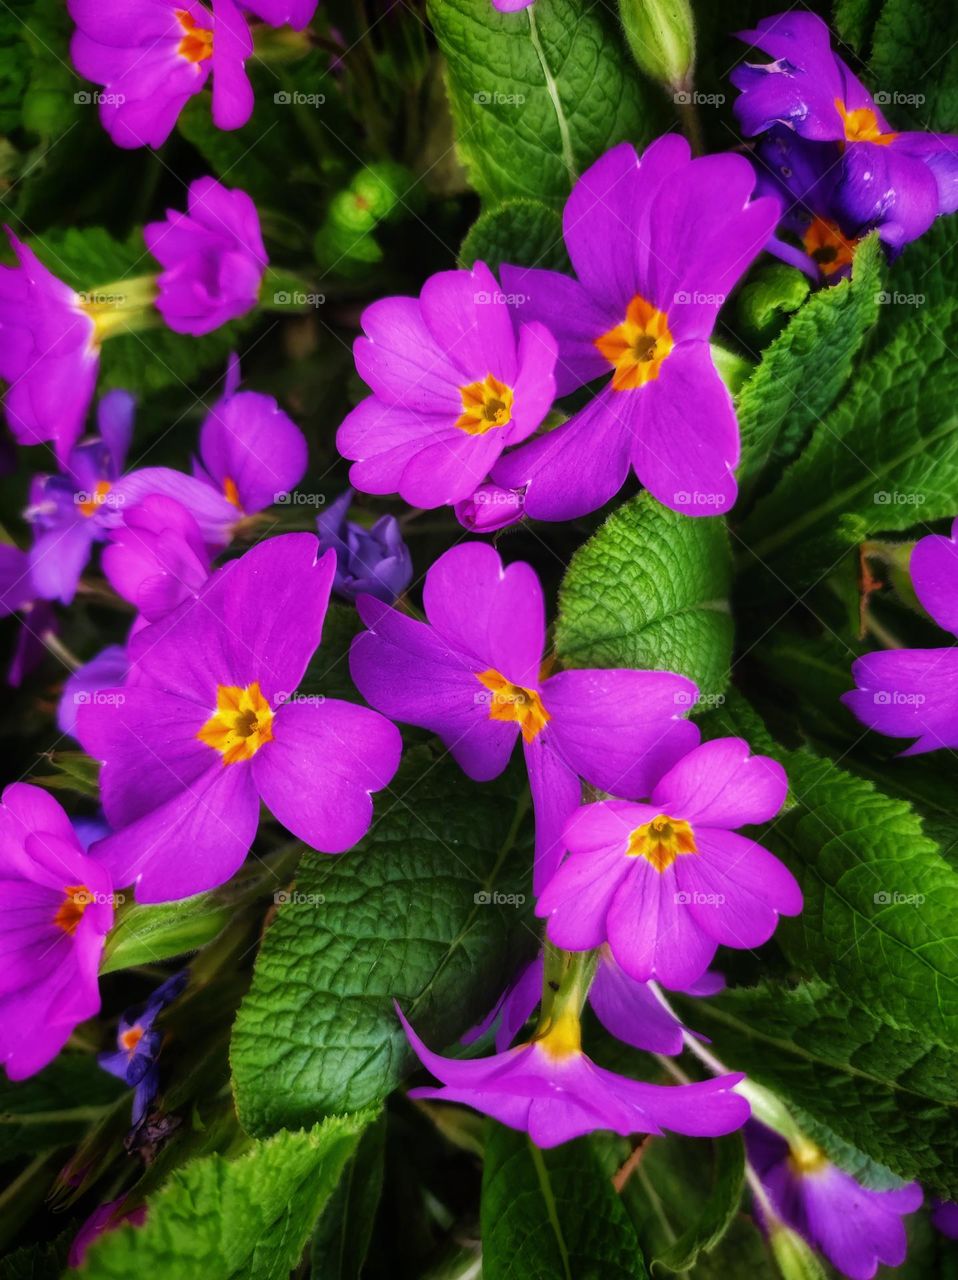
column 152, row 56
column 913, row 693
column 106, row 1218
column 490, row 508
column 210, row 709
column 373, row 561
column 57, row 910
column 213, row 258
column 474, row 676
column 138, row 1044
column 452, row 387
column 282, row 13
column 657, row 243
column 156, row 558
column 665, row 882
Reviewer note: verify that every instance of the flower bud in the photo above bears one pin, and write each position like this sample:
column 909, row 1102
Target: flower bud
column 661, row 35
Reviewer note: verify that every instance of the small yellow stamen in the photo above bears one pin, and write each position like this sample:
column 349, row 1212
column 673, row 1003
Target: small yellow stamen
column 232, row 493
column 830, row 249
column 130, row 1038
column 89, row 506
column 563, row 1038
column 861, row 125
column 805, row 1157
column 661, row 841
column 77, row 897
column 638, row 347
column 197, row 44
column 513, row 702
column 241, row 723
column 485, row 405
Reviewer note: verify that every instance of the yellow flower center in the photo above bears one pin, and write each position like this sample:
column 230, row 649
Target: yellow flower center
column 197, row 43
column 661, row 841
column 76, row 899
column 805, row 1157
column 485, row 405
column 91, row 504
column 825, row 243
column 512, row 702
column 241, row 723
column 232, row 493
column 861, row 125
column 563, row 1038
column 638, row 347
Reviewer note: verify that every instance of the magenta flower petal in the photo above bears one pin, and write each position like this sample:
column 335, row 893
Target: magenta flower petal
column 720, row 784
column 213, row 512
column 409, row 673
column 213, row 258
column 735, row 890
column 535, row 381
column 632, row 1012
column 620, row 730
column 317, row 774
column 157, row 558
column 580, row 465
column 651, row 931
column 382, row 437
column 799, row 86
column 687, row 469
column 107, row 670
column 232, row 45
column 401, row 361
column 252, row 450
column 885, row 187
column 447, row 470
column 281, row 13
column 493, row 612
column 934, row 575
column 576, row 898
column 908, row 693
column 556, row 794
column 464, row 312
column 490, row 508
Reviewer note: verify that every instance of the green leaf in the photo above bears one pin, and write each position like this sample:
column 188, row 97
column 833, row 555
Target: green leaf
column 55, row 1107
column 245, row 1218
column 39, row 1261
column 526, row 233
column 342, row 1237
column 149, row 934
column 649, row 589
column 538, row 95
column 887, row 1091
column 782, row 404
column 774, row 293
column 552, row 1215
column 714, row 1215
column 878, row 918
column 884, row 459
column 75, row 771
column 915, row 90
column 404, row 916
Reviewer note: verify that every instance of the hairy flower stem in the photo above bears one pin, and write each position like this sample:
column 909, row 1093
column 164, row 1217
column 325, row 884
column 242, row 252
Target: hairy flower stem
column 567, row 977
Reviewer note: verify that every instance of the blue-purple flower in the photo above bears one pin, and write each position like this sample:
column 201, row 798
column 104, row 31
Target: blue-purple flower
column 369, row 561
column 138, row 1044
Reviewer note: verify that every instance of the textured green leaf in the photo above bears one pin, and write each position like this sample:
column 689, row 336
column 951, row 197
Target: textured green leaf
column 552, row 1215
column 714, row 1214
column 342, row 1238
column 879, row 898
column 888, row 1092
column 524, row 232
column 806, row 367
column 914, row 61
column 770, row 297
column 853, row 21
column 218, row 1219
column 885, row 458
column 538, row 95
column 38, row 1262
column 649, row 589
column 404, row 916
column 148, row 934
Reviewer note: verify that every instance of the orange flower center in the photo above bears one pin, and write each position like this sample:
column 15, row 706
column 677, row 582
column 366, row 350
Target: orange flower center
column 197, row 43
column 485, row 405
column 241, row 723
column 861, row 125
column 512, row 702
column 638, row 347
column 91, row 504
column 232, row 493
column 76, row 899
column 661, row 841
column 130, row 1038
column 830, row 249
